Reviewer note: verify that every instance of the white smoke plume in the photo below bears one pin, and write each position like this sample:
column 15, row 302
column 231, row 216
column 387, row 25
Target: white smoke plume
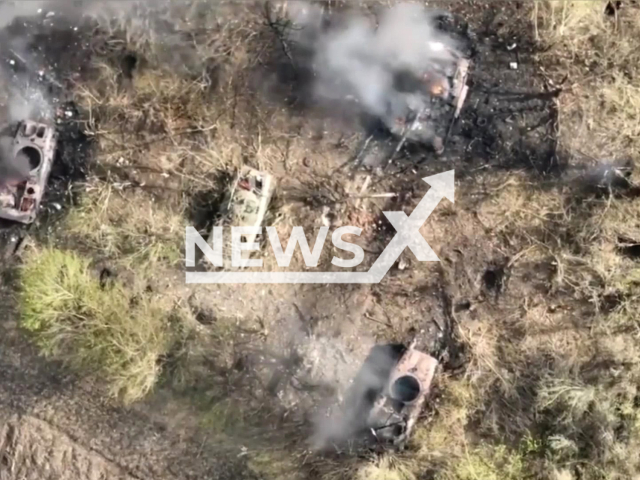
column 348, row 420
column 12, row 9
column 356, row 59
column 32, row 74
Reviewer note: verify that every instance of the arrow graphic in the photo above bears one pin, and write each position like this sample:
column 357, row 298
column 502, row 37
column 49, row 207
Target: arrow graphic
column 408, row 236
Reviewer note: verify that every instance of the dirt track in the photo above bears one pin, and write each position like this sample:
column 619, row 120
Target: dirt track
column 54, row 426
column 33, row 449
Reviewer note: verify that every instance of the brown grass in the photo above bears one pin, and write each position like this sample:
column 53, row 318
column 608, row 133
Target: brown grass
column 579, row 369
column 599, row 57
column 171, row 133
column 127, row 226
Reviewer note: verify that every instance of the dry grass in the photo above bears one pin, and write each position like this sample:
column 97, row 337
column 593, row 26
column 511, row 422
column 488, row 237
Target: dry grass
column 487, row 463
column 580, row 369
column 154, row 145
column 127, row 227
column 170, row 133
column 598, row 54
column 388, row 467
column 164, row 121
column 552, row 391
column 521, row 410
column 161, row 140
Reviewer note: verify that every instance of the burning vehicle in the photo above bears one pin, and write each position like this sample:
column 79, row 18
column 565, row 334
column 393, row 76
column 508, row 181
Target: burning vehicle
column 404, row 70
column 419, row 112
column 246, row 204
column 26, row 171
column 422, row 109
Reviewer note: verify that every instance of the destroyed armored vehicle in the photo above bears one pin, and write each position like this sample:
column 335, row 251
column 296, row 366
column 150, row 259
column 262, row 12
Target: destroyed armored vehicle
column 423, row 108
column 245, row 205
column 398, row 407
column 31, row 159
column 385, row 400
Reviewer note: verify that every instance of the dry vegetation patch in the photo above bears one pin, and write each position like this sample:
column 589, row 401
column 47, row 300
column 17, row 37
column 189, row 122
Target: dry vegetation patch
column 554, row 389
column 551, row 387
column 127, row 227
column 598, row 56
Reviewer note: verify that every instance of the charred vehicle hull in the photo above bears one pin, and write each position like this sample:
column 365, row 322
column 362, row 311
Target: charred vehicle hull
column 33, row 150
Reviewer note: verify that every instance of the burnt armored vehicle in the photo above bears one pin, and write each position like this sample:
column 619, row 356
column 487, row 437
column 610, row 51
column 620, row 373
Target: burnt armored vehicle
column 397, row 408
column 385, row 399
column 245, row 204
column 31, row 158
column 422, row 110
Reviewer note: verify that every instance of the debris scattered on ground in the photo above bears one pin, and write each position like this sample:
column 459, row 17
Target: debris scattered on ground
column 430, row 103
column 327, row 216
column 432, row 106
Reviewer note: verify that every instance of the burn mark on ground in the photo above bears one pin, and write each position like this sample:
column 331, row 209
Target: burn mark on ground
column 493, row 279
column 128, row 65
column 509, row 120
column 462, row 306
column 206, row 205
column 510, row 117
column 629, row 248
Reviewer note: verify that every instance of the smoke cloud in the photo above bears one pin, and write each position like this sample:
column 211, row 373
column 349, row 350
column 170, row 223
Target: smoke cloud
column 38, row 38
column 10, row 10
column 348, row 420
column 379, row 67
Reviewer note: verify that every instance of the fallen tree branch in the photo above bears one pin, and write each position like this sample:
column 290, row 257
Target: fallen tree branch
column 279, row 27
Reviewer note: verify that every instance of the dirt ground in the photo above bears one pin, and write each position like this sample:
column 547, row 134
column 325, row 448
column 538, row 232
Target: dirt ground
column 289, row 351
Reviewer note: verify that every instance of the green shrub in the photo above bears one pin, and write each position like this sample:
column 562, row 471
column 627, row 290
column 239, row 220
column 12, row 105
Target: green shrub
column 110, row 330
